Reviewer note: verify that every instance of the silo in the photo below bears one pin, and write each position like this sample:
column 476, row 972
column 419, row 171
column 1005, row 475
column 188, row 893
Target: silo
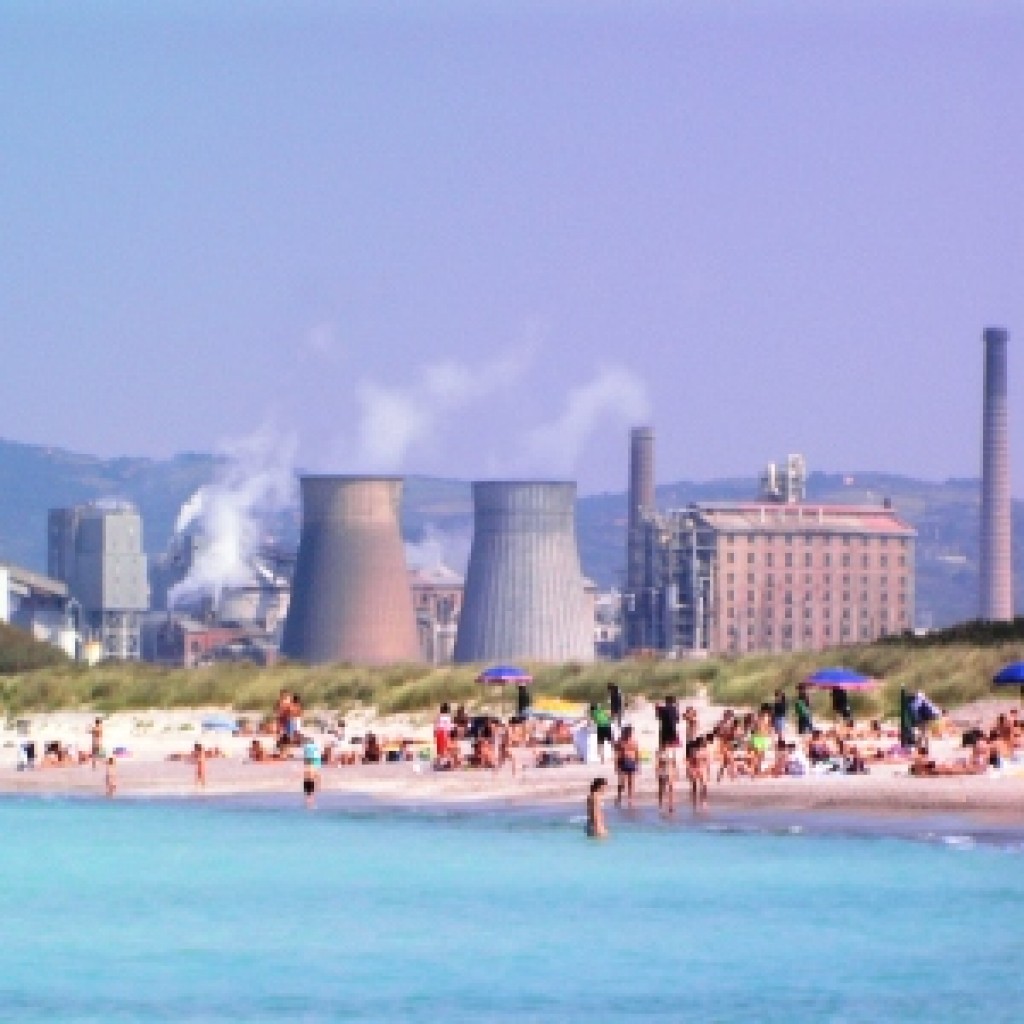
column 995, row 576
column 351, row 599
column 524, row 593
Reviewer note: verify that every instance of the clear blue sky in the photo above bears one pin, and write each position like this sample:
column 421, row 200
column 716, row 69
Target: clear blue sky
column 482, row 239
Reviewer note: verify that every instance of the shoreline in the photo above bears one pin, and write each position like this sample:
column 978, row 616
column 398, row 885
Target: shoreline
column 885, row 804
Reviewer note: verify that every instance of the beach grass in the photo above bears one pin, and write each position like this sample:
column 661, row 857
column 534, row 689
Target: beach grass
column 34, row 677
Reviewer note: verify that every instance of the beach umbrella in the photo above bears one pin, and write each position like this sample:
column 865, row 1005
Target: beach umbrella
column 1011, row 675
column 840, row 678
column 504, row 676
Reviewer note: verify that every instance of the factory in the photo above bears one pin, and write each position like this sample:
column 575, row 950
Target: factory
column 774, row 574
column 97, row 551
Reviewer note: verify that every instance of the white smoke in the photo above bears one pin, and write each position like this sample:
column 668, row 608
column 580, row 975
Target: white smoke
column 255, row 482
column 395, row 420
column 615, row 395
column 439, row 547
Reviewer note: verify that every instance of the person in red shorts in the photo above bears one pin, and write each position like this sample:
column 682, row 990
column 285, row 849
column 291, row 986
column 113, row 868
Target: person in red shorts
column 442, row 730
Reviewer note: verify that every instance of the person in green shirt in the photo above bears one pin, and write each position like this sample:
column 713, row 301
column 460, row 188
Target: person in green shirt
column 602, row 719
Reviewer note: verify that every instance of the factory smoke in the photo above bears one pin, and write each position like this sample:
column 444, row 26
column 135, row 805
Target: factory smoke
column 615, row 396
column 395, row 421
column 230, row 515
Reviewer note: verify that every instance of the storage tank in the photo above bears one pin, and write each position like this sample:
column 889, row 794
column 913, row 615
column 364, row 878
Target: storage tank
column 351, row 600
column 524, row 594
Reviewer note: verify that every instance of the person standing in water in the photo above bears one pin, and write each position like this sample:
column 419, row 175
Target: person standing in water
column 310, row 772
column 596, row 828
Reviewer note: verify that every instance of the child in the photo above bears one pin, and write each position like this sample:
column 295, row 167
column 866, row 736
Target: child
column 667, row 771
column 697, row 773
column 111, row 779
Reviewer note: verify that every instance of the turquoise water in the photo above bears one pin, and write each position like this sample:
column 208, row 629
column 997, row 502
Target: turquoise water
column 136, row 911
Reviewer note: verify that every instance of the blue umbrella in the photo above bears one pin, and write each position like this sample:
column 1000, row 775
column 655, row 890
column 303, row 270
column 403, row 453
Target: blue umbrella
column 839, row 677
column 504, row 675
column 1011, row 675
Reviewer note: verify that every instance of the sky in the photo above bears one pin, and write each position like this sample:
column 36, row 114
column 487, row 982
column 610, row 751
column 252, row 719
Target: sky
column 483, row 240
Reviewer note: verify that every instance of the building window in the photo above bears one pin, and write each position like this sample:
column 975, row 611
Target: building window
column 789, row 538
column 789, row 597
column 846, row 561
column 731, row 557
column 730, row 578
column 808, row 560
column 769, row 579
column 750, row 597
column 827, row 561
column 883, row 561
column 750, row 558
column 808, row 613
column 789, row 559
column 750, row 577
column 846, row 541
column 768, row 558
column 865, row 561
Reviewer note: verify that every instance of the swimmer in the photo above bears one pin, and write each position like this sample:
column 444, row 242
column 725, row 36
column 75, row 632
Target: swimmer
column 596, row 827
column 627, row 764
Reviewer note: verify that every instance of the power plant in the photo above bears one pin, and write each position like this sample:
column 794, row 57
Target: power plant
column 525, row 593
column 995, row 576
column 351, row 600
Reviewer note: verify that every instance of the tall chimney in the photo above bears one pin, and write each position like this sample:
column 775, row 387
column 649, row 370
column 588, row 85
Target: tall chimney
column 996, row 576
column 351, row 600
column 524, row 596
column 641, row 500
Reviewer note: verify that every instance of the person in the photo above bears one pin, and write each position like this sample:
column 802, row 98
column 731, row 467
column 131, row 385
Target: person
column 627, row 764
column 111, row 777
column 199, row 756
column 596, row 828
column 522, row 700
column 667, row 772
column 603, row 721
column 442, row 730
column 841, row 705
column 615, row 703
column 690, row 718
column 802, row 707
column 779, row 713
column 310, row 772
column 696, row 772
column 372, row 753
column 96, row 735
column 668, row 722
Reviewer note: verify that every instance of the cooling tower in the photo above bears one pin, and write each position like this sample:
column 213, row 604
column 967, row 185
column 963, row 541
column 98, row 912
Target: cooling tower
column 524, row 596
column 350, row 596
column 995, row 576
column 641, row 500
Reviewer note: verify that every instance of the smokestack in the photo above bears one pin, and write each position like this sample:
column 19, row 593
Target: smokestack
column 996, row 577
column 351, row 599
column 524, row 596
column 641, row 500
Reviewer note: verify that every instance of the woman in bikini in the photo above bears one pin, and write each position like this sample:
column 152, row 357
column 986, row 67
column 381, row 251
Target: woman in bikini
column 627, row 764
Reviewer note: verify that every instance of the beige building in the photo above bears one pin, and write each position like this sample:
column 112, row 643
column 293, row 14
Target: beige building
column 767, row 576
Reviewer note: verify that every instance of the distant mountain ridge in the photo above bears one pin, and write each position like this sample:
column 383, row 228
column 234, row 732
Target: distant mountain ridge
column 438, row 512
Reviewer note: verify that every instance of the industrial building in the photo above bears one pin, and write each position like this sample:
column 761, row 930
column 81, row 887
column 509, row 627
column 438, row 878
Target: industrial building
column 97, row 551
column 768, row 576
column 525, row 595
column 40, row 606
column 437, row 599
column 351, row 600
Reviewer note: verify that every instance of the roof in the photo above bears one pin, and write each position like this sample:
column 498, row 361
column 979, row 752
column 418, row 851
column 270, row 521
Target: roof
column 33, row 582
column 802, row 517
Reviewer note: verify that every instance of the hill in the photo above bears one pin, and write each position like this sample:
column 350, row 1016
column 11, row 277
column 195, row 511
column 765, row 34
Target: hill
column 437, row 513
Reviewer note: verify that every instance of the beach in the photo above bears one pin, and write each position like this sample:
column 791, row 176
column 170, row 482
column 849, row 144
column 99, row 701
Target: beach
column 153, row 747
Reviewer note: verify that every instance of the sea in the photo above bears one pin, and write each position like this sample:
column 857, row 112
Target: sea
column 257, row 910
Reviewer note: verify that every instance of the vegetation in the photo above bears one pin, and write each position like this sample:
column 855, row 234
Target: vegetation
column 34, row 677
